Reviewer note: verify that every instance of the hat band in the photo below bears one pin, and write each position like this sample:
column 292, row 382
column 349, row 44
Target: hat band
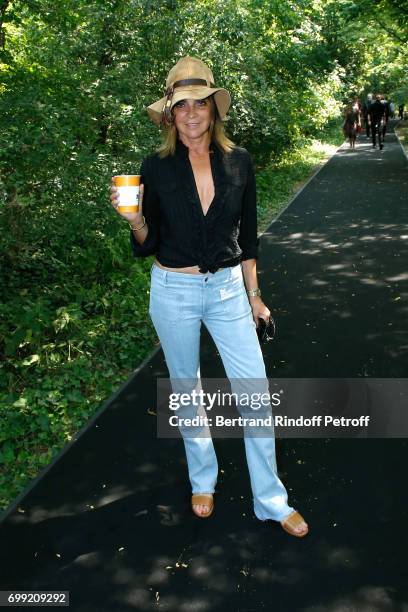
column 185, row 82
column 193, row 82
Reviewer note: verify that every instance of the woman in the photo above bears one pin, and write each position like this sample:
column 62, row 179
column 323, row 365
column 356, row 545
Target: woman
column 351, row 122
column 198, row 218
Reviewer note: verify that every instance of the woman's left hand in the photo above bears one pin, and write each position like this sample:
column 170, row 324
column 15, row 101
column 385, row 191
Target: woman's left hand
column 259, row 310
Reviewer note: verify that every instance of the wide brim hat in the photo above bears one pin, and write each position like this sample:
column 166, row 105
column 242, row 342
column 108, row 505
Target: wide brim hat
column 190, row 78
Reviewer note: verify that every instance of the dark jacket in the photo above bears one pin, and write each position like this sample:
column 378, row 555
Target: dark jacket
column 376, row 111
column 179, row 233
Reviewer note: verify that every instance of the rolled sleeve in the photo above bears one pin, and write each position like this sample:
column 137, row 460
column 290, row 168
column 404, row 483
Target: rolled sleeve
column 248, row 233
column 151, row 213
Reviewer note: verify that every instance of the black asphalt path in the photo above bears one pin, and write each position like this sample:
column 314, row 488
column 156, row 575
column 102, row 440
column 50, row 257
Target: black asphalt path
column 110, row 520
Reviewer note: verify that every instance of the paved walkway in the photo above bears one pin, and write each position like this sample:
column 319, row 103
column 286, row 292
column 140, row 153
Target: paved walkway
column 110, row 520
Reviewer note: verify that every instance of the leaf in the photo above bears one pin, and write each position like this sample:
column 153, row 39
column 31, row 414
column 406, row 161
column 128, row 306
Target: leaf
column 7, row 453
column 44, row 422
column 30, row 360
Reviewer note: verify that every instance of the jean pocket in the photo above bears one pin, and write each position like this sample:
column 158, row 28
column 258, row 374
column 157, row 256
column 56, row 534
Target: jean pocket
column 233, row 297
column 166, row 304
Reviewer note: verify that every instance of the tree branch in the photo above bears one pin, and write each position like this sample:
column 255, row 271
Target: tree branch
column 3, row 8
column 389, row 30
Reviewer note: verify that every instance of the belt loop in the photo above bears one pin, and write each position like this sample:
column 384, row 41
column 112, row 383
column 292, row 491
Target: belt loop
column 165, row 273
column 230, row 273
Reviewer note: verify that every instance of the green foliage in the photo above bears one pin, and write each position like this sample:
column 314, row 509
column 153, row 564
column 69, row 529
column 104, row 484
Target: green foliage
column 369, row 40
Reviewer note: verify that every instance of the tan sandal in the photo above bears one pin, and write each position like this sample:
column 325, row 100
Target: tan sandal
column 290, row 523
column 203, row 499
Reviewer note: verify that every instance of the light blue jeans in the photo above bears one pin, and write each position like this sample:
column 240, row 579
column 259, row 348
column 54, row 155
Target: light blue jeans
column 179, row 303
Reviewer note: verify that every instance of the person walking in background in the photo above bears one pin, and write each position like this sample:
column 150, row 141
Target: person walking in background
column 392, row 110
column 357, row 108
column 386, row 115
column 401, row 111
column 366, row 115
column 377, row 116
column 198, row 217
column 351, row 122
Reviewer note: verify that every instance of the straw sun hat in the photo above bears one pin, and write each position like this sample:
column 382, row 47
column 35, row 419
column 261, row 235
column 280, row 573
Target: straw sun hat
column 190, row 78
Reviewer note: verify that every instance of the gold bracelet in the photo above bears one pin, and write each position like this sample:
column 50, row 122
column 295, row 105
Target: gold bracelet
column 254, row 292
column 136, row 229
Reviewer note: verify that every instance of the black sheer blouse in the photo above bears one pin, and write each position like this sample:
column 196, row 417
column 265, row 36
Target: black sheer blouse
column 179, row 233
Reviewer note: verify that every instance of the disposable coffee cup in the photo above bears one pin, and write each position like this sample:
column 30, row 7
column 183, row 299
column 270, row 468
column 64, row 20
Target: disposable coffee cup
column 128, row 186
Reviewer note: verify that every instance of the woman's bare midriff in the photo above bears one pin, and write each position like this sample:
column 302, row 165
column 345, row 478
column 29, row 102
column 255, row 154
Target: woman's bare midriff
column 188, row 270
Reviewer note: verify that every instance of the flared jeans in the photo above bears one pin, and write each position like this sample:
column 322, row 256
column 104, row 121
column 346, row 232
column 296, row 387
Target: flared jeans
column 179, row 304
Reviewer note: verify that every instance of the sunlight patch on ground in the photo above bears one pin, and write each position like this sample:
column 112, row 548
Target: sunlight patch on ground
column 322, row 147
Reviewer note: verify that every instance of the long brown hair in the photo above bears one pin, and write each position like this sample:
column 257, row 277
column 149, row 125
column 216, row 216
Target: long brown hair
column 216, row 132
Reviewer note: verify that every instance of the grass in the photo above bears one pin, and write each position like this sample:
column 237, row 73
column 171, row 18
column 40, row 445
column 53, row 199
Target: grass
column 402, row 133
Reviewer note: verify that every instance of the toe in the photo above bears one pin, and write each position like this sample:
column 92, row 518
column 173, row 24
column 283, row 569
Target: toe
column 200, row 509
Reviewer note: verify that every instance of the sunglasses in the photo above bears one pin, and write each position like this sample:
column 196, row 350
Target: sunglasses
column 266, row 330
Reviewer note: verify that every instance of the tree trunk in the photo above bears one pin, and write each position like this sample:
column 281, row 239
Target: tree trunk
column 3, row 8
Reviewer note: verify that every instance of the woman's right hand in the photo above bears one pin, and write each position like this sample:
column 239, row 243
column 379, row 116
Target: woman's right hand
column 132, row 218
